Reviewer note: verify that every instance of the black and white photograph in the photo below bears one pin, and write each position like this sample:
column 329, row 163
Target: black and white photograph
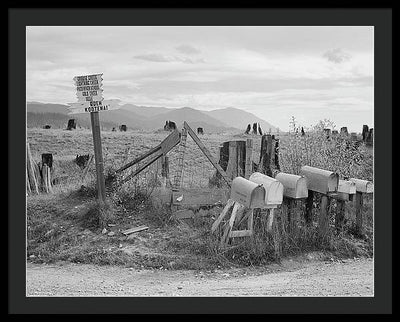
column 200, row 161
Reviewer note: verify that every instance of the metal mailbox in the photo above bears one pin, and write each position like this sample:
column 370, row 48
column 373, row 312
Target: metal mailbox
column 273, row 188
column 348, row 187
column 346, row 190
column 364, row 186
column 320, row 180
column 247, row 193
column 294, row 186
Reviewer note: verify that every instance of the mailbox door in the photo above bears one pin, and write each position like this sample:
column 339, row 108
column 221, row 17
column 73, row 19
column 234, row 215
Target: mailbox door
column 294, row 186
column 247, row 193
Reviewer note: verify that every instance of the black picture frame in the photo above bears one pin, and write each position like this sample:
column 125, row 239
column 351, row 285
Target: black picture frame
column 380, row 18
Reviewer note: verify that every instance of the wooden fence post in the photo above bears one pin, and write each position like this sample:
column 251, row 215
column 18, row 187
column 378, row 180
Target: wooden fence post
column 359, row 215
column 249, row 158
column 340, row 214
column 323, row 221
column 309, row 206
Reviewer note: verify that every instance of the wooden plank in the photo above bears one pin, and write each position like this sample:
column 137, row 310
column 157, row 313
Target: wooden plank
column 240, row 233
column 134, row 230
column 140, row 158
column 32, row 173
column 207, row 153
column 165, row 146
column 44, row 178
column 140, row 169
column 229, row 225
column 200, row 196
column 249, row 158
column 170, row 142
column 49, row 180
column 224, row 212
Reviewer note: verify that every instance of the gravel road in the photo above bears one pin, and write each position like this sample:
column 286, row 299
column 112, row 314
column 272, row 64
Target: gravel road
column 291, row 278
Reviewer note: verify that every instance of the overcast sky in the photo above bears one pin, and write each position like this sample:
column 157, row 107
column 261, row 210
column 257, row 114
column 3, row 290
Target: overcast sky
column 311, row 73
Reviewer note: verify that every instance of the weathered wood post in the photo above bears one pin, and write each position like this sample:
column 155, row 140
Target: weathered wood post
column 249, row 158
column 345, row 192
column 370, row 137
column 165, row 170
column 365, row 132
column 309, row 206
column 294, row 188
column 98, row 157
column 326, row 183
column 269, row 155
column 362, row 187
column 359, row 214
column 47, row 164
column 323, row 220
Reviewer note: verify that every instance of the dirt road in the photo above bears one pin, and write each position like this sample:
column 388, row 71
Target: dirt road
column 292, row 278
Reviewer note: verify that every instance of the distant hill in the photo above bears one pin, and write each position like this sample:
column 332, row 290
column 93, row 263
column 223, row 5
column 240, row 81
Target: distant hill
column 146, row 118
column 239, row 119
column 146, row 111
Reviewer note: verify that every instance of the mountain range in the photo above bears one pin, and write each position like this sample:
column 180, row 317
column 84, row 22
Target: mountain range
column 146, row 117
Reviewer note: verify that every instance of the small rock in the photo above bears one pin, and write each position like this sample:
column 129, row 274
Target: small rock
column 179, row 287
column 120, row 245
column 104, row 231
column 32, row 256
column 111, row 233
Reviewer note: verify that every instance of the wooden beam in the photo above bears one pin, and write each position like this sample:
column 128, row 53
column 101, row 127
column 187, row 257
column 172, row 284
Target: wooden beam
column 224, row 212
column 240, row 233
column 140, row 169
column 140, row 158
column 206, row 153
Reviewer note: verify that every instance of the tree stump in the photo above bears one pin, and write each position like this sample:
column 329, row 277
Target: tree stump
column 365, row 132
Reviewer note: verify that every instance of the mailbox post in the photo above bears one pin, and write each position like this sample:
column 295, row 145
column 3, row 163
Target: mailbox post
column 294, row 189
column 346, row 191
column 362, row 187
column 324, row 182
column 259, row 192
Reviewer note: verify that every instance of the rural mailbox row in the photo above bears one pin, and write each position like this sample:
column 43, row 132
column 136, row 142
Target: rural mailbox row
column 264, row 192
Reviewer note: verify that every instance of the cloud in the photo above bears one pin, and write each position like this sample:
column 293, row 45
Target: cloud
column 159, row 58
column 337, row 55
column 187, row 49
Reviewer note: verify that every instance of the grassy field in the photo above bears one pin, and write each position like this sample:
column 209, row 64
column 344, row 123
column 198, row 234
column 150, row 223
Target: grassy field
column 65, row 226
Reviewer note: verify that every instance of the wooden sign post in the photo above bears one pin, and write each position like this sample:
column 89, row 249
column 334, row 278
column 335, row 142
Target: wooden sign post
column 89, row 92
column 98, row 157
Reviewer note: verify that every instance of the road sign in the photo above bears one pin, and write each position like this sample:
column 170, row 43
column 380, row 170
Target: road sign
column 89, row 87
column 94, row 106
